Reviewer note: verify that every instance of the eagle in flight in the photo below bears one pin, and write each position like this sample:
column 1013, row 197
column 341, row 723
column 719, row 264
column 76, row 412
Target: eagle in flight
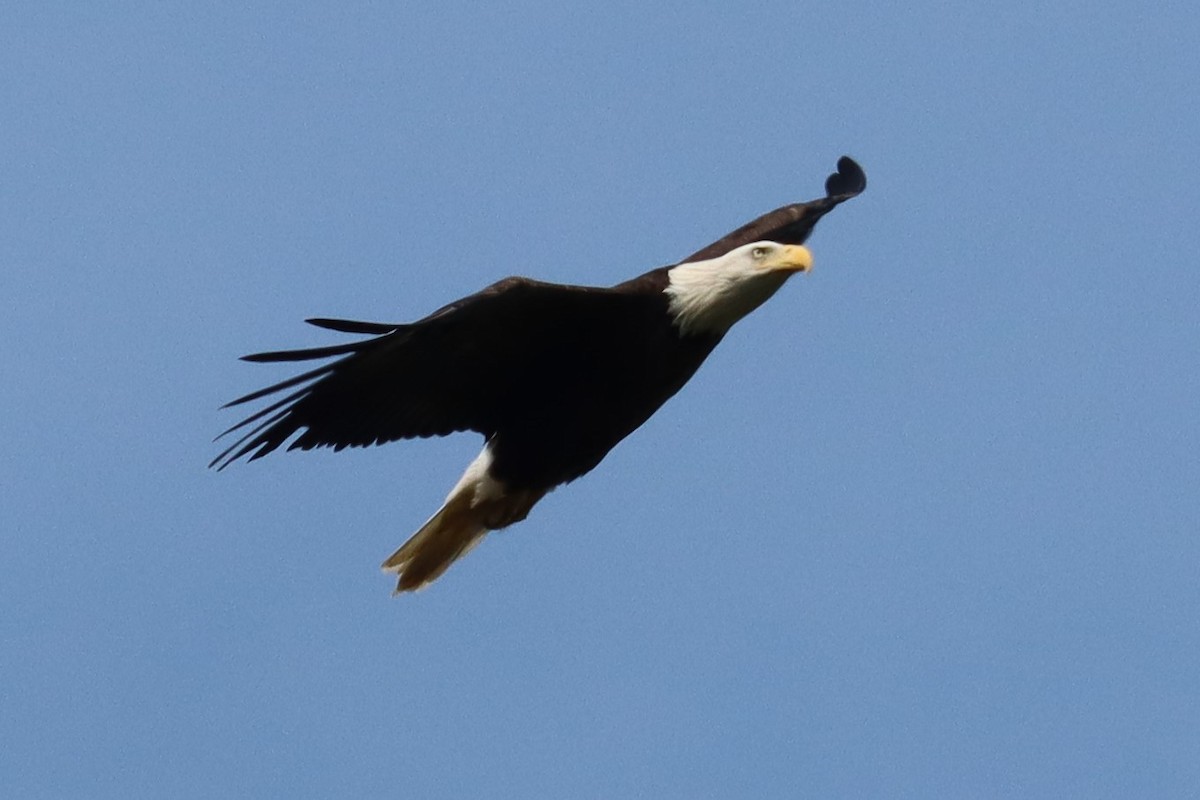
column 553, row 376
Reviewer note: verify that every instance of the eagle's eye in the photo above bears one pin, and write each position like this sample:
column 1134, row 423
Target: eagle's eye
column 758, row 252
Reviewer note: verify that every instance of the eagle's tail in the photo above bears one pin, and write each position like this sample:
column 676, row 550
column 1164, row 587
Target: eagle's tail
column 478, row 504
column 447, row 536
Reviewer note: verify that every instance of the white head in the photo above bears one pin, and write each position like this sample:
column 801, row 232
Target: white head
column 709, row 296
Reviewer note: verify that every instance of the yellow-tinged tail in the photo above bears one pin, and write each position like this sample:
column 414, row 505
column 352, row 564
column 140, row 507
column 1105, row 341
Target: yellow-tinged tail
column 478, row 503
column 447, row 536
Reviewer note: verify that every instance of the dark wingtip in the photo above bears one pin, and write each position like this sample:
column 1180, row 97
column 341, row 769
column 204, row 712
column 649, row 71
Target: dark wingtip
column 353, row 326
column 848, row 181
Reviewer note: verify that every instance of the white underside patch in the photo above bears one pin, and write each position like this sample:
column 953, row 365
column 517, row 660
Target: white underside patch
column 477, row 482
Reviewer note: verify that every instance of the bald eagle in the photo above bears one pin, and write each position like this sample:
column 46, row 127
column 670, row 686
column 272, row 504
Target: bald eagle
column 552, row 376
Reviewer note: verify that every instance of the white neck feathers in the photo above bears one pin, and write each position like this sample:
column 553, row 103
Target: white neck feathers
column 708, row 297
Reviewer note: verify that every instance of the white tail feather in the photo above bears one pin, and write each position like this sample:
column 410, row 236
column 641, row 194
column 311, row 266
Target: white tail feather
column 447, row 536
column 477, row 504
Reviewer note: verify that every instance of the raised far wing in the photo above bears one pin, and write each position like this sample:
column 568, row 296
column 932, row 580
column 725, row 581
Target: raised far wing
column 452, row 371
column 792, row 224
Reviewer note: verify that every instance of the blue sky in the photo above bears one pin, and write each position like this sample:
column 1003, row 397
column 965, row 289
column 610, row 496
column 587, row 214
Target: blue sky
column 924, row 526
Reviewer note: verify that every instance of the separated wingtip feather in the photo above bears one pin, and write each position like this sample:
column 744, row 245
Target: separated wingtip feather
column 352, row 326
column 277, row 387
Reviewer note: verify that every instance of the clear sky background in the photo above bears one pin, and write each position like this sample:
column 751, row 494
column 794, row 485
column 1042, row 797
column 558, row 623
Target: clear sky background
column 926, row 525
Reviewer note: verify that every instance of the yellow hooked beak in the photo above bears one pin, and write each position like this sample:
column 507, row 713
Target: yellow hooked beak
column 791, row 258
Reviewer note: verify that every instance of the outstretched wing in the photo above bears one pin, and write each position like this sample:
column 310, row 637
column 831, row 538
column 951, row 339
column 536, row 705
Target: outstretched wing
column 454, row 370
column 792, row 224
